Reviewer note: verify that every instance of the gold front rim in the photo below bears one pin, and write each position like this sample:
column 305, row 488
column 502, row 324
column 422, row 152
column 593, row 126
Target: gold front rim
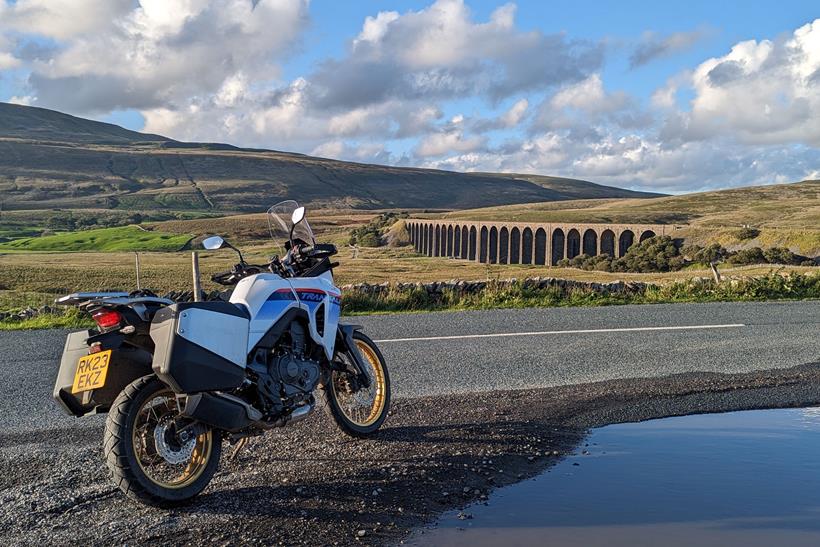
column 155, row 412
column 365, row 406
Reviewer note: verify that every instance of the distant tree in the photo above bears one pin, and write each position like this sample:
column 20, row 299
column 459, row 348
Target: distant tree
column 781, row 255
column 748, row 256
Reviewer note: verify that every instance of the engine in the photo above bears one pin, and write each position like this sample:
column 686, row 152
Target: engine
column 289, row 376
column 296, row 376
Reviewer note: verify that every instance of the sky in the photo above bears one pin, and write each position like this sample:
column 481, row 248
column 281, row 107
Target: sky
column 660, row 96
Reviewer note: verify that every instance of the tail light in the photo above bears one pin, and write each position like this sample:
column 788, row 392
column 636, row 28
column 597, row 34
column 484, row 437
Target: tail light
column 107, row 318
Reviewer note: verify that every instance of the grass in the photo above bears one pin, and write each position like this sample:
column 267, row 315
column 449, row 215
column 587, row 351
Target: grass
column 794, row 205
column 71, row 319
column 775, row 285
column 34, row 279
column 124, row 238
column 772, row 286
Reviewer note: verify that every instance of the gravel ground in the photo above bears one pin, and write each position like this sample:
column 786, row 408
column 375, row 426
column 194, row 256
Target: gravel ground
column 308, row 484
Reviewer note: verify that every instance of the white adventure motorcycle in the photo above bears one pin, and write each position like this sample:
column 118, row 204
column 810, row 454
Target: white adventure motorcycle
column 230, row 370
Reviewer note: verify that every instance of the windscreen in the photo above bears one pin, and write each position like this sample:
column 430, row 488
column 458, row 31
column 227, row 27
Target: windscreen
column 279, row 222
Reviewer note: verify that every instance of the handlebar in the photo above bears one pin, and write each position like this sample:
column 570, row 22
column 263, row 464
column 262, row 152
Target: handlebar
column 293, row 263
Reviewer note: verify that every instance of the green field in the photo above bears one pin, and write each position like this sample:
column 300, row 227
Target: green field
column 124, row 238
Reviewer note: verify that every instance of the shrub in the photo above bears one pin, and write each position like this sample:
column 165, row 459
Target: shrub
column 748, row 256
column 652, row 255
column 747, row 233
column 371, row 234
column 713, row 253
column 781, row 255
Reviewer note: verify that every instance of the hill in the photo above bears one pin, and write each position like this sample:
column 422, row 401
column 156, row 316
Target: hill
column 795, row 205
column 40, row 124
column 53, row 160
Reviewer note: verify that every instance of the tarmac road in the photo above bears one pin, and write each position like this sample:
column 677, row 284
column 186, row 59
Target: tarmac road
column 472, row 351
column 580, row 345
column 454, row 426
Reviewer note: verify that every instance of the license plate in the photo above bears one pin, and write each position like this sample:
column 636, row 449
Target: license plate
column 91, row 371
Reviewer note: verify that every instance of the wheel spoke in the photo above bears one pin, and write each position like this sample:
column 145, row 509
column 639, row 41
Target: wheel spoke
column 158, row 412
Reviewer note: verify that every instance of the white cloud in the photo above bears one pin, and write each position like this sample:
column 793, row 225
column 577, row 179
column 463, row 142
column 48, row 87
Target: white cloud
column 61, row 19
column 156, row 54
column 515, row 114
column 445, row 142
column 375, row 28
column 765, row 92
column 440, row 53
column 24, row 100
column 8, row 61
column 588, row 96
column 210, row 71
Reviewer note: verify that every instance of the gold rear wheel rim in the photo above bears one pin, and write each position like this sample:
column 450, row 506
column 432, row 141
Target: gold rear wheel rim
column 365, row 407
column 163, row 405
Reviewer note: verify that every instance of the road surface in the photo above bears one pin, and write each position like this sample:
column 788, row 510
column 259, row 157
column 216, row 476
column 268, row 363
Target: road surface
column 454, row 428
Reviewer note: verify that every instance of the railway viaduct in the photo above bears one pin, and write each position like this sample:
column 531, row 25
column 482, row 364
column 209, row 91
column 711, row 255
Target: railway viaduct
column 526, row 242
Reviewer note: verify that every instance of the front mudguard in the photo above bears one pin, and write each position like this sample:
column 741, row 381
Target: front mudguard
column 127, row 364
column 345, row 343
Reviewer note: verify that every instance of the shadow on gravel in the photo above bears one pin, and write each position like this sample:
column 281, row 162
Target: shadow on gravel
column 57, row 437
column 310, row 484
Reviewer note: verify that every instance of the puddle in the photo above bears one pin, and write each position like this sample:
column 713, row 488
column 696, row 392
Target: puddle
column 741, row 478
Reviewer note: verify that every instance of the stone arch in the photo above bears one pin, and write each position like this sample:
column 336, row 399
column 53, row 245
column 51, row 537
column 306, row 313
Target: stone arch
column 625, row 241
column 465, row 242
column 589, row 243
column 646, row 234
column 608, row 243
column 515, row 246
column 526, row 246
column 492, row 257
column 573, row 243
column 449, row 249
column 457, row 242
column 503, row 245
column 540, row 247
column 437, row 241
column 483, row 244
column 557, row 245
column 425, row 239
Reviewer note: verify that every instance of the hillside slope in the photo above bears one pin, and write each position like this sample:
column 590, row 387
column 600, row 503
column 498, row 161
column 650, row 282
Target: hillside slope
column 785, row 215
column 795, row 205
column 53, row 160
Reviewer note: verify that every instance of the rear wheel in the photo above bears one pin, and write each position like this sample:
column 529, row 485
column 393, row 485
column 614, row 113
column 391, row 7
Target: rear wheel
column 360, row 411
column 150, row 461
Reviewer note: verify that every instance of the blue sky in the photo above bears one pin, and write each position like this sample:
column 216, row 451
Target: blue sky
column 664, row 96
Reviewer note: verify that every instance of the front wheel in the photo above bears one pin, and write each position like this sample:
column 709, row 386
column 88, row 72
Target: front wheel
column 149, row 460
column 359, row 411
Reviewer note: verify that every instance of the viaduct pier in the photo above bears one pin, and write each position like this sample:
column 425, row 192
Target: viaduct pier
column 526, row 242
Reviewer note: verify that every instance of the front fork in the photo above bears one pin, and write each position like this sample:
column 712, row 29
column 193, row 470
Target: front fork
column 345, row 342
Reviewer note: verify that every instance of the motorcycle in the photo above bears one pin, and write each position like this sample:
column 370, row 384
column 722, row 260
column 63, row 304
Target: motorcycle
column 221, row 370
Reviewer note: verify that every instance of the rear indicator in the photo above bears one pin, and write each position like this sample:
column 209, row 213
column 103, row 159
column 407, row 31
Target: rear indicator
column 107, row 318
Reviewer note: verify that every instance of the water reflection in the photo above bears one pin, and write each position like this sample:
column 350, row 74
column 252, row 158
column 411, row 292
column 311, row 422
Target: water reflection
column 741, row 478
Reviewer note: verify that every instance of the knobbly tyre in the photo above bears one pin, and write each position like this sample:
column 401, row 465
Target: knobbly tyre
column 178, row 379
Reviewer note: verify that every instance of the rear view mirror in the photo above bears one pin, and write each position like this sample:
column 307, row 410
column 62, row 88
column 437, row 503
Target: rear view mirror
column 213, row 243
column 298, row 215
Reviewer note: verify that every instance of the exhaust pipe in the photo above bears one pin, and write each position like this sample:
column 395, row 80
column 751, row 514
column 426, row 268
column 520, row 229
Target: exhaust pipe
column 232, row 414
column 300, row 413
column 221, row 411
